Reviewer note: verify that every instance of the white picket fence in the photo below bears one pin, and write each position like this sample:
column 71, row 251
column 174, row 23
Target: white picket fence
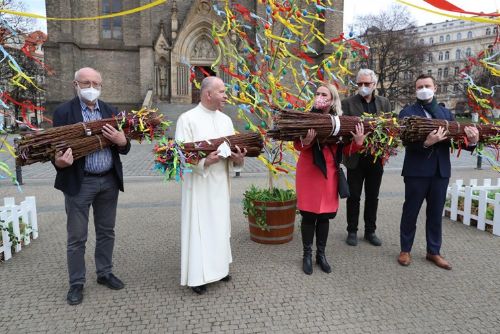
column 459, row 190
column 10, row 213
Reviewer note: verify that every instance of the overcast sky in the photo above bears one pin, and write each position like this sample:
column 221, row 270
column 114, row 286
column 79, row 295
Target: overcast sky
column 352, row 8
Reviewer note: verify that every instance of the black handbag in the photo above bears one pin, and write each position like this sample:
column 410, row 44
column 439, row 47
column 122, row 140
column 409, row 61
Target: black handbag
column 342, row 185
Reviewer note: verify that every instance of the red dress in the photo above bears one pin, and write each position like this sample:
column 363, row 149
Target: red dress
column 315, row 193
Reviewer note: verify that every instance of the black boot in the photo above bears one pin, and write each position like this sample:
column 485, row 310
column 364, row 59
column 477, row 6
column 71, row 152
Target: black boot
column 307, row 241
column 322, row 228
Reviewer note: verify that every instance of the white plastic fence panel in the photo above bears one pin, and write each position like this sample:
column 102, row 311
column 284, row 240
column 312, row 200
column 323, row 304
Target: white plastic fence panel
column 5, row 248
column 32, row 215
column 467, row 205
column 496, row 217
column 10, row 207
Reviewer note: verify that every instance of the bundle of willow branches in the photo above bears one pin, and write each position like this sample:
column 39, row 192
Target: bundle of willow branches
column 173, row 159
column 417, row 128
column 291, row 125
column 381, row 143
column 251, row 141
column 85, row 138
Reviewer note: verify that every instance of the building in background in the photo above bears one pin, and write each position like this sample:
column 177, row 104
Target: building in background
column 450, row 44
column 144, row 54
column 27, row 99
column 438, row 49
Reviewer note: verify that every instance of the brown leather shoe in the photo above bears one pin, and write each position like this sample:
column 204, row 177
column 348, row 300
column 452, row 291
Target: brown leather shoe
column 438, row 261
column 404, row 259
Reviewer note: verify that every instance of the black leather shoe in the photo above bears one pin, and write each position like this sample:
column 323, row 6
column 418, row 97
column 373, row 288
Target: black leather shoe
column 226, row 279
column 352, row 239
column 111, row 281
column 201, row 289
column 373, row 239
column 75, row 294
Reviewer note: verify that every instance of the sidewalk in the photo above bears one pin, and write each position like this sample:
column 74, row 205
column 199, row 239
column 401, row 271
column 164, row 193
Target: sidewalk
column 367, row 292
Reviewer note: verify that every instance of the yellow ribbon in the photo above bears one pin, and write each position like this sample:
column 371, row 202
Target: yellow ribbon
column 107, row 16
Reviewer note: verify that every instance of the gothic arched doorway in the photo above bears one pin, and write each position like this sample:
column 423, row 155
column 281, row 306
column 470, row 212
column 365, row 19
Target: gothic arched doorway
column 200, row 73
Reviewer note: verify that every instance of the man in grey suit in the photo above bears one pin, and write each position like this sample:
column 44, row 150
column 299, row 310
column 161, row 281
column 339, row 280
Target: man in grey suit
column 360, row 166
column 91, row 181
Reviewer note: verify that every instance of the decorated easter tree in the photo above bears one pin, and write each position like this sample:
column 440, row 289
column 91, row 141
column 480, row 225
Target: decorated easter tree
column 275, row 59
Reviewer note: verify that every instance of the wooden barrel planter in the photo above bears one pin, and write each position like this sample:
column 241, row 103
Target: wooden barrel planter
column 280, row 219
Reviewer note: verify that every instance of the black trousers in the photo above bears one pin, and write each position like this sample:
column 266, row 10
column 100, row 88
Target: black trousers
column 370, row 174
column 433, row 190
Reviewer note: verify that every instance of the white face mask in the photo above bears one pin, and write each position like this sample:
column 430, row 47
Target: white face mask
column 89, row 94
column 365, row 91
column 425, row 94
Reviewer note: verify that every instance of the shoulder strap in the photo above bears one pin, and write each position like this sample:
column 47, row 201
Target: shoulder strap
column 338, row 155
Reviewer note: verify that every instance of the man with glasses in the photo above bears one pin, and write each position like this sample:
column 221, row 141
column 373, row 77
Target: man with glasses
column 94, row 180
column 360, row 166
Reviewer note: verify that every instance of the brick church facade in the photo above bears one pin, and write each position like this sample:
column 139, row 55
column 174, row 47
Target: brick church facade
column 143, row 54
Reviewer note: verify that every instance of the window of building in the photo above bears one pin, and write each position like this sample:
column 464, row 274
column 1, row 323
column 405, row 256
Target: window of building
column 405, row 75
column 441, row 39
column 488, row 31
column 431, row 40
column 421, row 41
column 440, row 73
column 458, row 54
column 448, row 37
column 447, row 55
column 429, row 72
column 469, row 34
column 438, row 89
column 111, row 28
column 459, row 36
column 455, row 88
column 445, row 72
column 456, row 70
column 445, row 88
column 495, row 30
column 468, row 52
column 429, row 57
column 440, row 57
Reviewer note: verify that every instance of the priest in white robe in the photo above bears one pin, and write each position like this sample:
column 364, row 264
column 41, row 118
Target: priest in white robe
column 206, row 225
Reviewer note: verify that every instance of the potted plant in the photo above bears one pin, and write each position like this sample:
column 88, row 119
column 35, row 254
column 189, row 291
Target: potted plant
column 271, row 214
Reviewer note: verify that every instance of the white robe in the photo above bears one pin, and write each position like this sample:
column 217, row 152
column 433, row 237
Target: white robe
column 206, row 226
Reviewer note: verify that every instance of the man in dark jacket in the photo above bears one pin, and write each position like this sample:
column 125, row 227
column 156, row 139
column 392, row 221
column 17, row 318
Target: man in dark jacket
column 94, row 180
column 426, row 172
column 360, row 166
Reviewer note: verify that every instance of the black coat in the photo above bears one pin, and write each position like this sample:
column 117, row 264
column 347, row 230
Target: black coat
column 426, row 162
column 352, row 106
column 69, row 179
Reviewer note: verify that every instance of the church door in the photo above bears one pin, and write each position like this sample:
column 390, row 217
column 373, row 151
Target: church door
column 200, row 73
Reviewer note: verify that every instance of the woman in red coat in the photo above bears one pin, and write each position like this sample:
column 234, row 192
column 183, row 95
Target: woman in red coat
column 316, row 180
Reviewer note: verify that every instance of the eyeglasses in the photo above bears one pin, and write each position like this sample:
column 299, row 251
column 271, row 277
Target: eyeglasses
column 87, row 84
column 367, row 84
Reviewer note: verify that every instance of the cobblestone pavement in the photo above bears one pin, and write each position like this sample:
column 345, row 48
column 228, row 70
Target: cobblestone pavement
column 367, row 292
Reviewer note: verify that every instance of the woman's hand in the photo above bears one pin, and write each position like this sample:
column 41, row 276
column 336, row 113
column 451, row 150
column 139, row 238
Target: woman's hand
column 311, row 134
column 359, row 136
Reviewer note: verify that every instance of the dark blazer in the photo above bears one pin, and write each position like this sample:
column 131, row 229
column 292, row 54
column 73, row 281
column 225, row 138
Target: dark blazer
column 426, row 162
column 352, row 106
column 69, row 179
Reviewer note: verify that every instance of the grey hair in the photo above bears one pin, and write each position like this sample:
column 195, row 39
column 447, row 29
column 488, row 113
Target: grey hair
column 77, row 73
column 207, row 83
column 367, row 71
